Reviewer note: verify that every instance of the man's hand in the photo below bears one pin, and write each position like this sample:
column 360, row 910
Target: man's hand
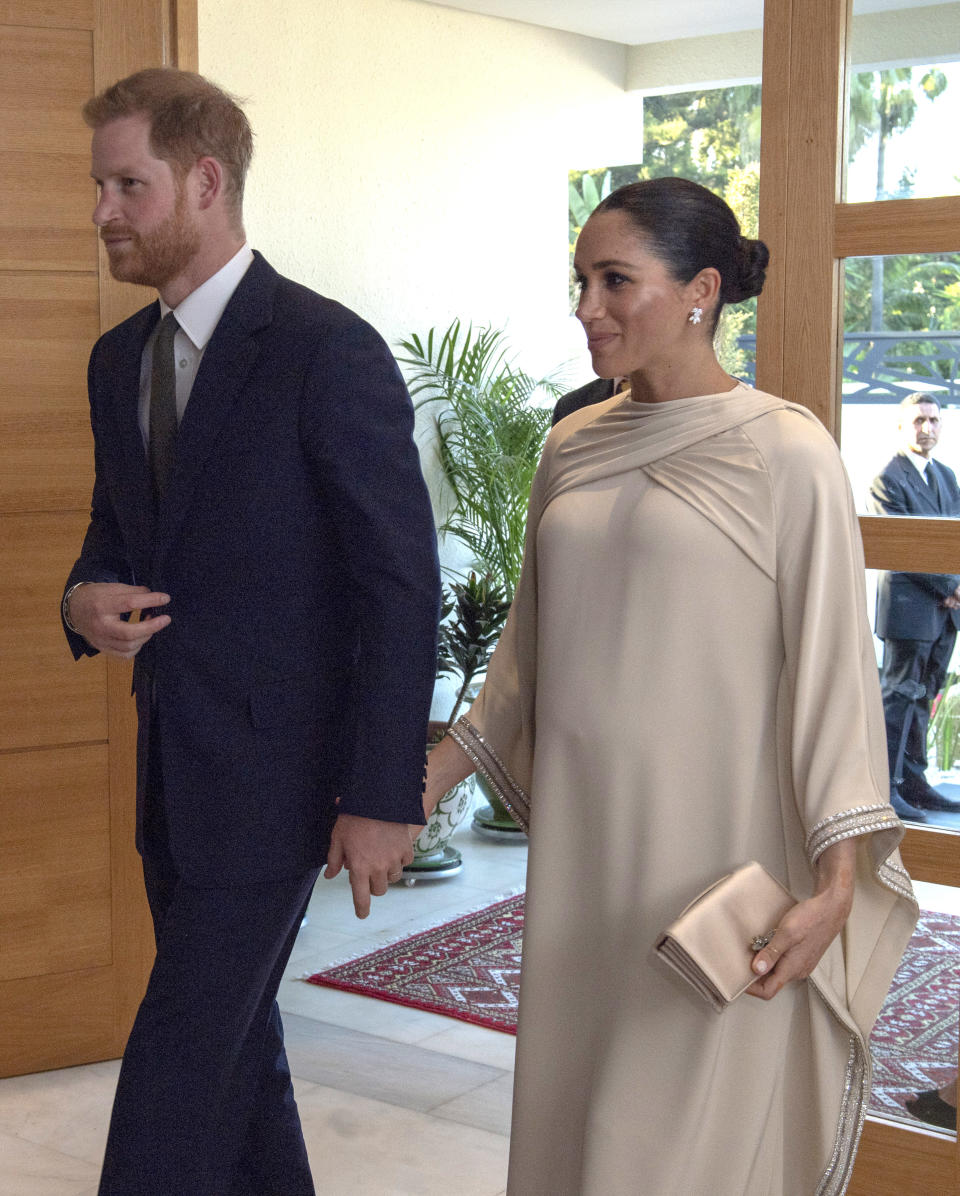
column 373, row 852
column 952, row 601
column 97, row 610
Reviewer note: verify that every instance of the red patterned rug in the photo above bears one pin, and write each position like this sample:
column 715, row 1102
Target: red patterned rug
column 914, row 1043
column 470, row 969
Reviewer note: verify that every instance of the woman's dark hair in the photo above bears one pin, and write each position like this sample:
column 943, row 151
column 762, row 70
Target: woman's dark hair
column 689, row 229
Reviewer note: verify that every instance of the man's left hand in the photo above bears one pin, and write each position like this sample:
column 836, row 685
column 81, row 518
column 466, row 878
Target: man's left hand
column 373, row 852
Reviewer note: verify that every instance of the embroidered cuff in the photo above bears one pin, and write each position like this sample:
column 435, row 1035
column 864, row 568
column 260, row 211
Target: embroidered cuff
column 850, row 824
column 489, row 763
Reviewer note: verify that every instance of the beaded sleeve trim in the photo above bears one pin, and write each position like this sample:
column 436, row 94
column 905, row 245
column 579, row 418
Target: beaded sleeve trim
column 848, row 824
column 862, row 820
column 493, row 768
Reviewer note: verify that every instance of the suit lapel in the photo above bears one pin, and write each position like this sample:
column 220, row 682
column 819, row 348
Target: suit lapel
column 924, row 496
column 227, row 361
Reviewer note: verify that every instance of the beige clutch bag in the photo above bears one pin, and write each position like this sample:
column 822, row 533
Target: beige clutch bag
column 713, row 942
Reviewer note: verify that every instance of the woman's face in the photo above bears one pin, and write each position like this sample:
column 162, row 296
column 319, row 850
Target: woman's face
column 635, row 314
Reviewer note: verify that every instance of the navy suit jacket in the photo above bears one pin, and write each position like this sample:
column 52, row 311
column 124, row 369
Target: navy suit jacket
column 594, row 392
column 297, row 544
column 910, row 605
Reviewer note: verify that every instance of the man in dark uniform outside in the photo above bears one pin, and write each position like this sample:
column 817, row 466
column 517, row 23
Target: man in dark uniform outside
column 917, row 613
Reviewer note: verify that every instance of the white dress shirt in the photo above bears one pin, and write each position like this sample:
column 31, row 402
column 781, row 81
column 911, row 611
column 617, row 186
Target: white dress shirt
column 198, row 316
column 919, row 463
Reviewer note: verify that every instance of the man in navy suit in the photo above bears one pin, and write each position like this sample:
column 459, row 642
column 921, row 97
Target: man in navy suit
column 584, row 396
column 917, row 613
column 261, row 542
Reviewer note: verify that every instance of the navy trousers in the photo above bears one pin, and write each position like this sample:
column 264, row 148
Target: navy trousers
column 204, row 1103
column 923, row 661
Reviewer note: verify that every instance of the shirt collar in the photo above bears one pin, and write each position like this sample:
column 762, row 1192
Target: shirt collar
column 199, row 314
column 918, row 462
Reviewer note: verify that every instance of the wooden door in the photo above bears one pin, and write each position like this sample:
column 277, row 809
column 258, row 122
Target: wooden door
column 810, row 232
column 75, row 939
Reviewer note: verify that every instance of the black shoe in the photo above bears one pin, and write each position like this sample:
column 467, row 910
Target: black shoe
column 902, row 810
column 931, row 1107
column 923, row 796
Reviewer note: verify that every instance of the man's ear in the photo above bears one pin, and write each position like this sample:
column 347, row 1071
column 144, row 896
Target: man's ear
column 209, row 181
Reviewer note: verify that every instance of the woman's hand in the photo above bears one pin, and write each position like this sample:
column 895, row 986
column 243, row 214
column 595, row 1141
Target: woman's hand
column 447, row 765
column 810, row 927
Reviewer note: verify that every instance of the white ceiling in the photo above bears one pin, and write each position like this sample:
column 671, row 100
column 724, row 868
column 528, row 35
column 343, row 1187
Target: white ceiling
column 635, row 21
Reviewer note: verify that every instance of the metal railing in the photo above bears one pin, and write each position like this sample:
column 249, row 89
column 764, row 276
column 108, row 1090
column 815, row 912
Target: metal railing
column 884, row 367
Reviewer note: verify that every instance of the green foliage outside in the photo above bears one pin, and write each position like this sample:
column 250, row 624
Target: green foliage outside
column 900, row 292
column 711, row 136
column 714, row 138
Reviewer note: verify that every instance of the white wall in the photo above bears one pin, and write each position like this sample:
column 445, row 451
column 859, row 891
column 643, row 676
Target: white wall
column 412, row 160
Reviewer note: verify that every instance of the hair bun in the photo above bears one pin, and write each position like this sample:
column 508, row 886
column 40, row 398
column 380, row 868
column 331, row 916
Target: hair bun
column 752, row 260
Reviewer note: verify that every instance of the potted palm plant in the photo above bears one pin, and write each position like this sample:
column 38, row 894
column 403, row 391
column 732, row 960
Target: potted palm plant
column 474, row 612
column 489, row 431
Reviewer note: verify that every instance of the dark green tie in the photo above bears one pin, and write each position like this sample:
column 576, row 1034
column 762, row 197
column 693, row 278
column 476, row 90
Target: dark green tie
column 931, row 479
column 163, row 404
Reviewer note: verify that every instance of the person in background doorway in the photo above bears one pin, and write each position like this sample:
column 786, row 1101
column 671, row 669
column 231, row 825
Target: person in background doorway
column 584, row 396
column 917, row 613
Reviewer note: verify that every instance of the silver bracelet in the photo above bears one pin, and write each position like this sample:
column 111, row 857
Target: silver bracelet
column 65, row 606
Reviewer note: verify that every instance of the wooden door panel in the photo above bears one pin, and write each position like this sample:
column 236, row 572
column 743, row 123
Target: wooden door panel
column 55, row 912
column 75, row 935
column 895, row 1161
column 77, row 1012
column 45, row 206
column 57, row 14
column 55, row 66
column 48, row 323
column 45, row 697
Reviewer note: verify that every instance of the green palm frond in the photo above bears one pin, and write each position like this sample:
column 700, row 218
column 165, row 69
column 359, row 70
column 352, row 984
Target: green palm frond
column 489, row 434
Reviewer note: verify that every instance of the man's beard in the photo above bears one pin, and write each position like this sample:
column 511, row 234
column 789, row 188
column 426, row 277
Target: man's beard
column 155, row 258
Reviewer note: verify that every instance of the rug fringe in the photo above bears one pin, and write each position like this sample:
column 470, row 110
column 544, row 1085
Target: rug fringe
column 444, row 920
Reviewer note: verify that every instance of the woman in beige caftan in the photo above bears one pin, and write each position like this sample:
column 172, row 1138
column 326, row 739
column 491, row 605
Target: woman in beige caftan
column 687, row 682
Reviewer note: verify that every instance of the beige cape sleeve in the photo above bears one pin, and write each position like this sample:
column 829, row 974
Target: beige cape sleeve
column 831, row 736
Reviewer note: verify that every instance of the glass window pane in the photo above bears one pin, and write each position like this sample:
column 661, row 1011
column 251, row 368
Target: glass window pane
column 920, row 683
column 904, row 104
column 914, row 1041
column 902, row 338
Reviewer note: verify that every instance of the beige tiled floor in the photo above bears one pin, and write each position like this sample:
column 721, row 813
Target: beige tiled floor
column 394, row 1101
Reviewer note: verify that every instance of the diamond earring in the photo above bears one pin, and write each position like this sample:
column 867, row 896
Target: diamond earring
column 695, row 314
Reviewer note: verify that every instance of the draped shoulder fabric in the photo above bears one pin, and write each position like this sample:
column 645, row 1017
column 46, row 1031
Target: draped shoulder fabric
column 687, row 681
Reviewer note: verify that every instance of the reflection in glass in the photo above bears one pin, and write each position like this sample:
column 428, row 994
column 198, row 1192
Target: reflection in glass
column 901, row 338
column 914, row 1042
column 918, row 663
column 904, row 105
